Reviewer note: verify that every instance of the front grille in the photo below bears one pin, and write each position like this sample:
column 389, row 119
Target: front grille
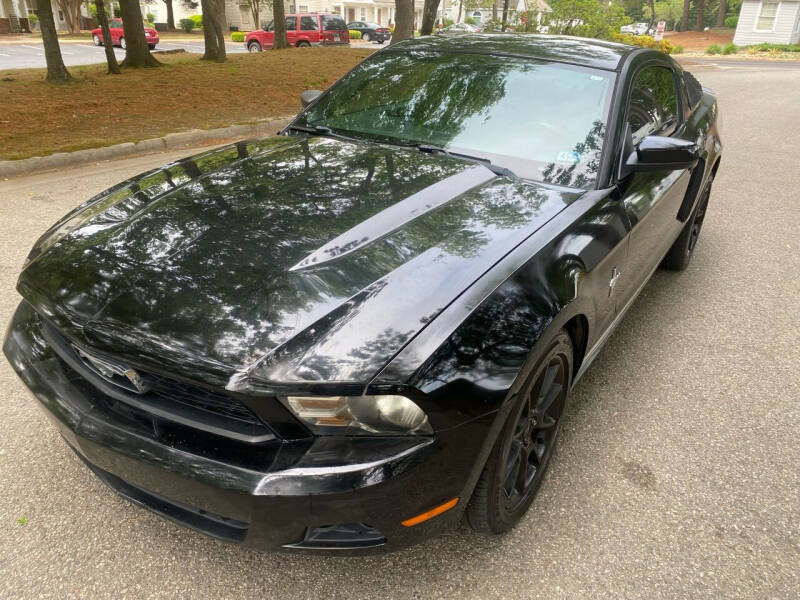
column 171, row 405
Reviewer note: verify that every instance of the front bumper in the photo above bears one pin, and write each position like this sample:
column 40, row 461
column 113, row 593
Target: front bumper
column 302, row 484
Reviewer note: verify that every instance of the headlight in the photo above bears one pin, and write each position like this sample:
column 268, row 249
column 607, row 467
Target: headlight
column 343, row 415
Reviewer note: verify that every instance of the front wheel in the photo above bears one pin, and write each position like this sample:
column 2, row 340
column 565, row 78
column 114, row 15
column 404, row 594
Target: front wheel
column 254, row 47
column 515, row 468
column 151, row 46
column 96, row 40
column 122, row 43
column 366, row 37
column 303, row 44
column 680, row 254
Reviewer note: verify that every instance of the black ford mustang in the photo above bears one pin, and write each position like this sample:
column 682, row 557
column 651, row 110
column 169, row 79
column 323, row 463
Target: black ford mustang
column 352, row 335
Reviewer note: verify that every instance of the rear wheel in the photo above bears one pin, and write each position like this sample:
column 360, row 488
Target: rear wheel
column 513, row 473
column 680, row 254
column 366, row 37
column 254, row 47
column 303, row 44
column 122, row 43
column 96, row 40
column 151, row 46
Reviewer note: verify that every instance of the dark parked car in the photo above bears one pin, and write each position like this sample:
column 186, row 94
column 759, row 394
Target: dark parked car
column 371, row 32
column 460, row 28
column 350, row 336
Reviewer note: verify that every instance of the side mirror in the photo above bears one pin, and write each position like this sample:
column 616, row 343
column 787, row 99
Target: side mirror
column 309, row 96
column 656, row 153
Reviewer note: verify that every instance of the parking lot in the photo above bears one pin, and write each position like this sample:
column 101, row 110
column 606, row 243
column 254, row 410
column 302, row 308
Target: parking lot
column 31, row 55
column 676, row 475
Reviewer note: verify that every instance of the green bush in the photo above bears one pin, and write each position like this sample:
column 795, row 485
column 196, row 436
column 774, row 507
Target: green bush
column 469, row 21
column 645, row 41
column 732, row 21
column 150, row 17
column 355, row 35
column 730, row 48
column 765, row 47
column 237, row 36
column 187, row 25
column 447, row 22
column 714, row 49
column 33, row 19
column 198, row 21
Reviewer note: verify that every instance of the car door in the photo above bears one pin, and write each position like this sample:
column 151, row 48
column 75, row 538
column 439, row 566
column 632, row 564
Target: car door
column 651, row 199
column 291, row 29
column 115, row 29
column 309, row 28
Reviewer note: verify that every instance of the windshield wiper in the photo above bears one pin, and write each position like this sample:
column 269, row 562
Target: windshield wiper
column 320, row 130
column 432, row 149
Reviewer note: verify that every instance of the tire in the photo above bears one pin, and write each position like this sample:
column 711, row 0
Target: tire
column 122, row 43
column 680, row 254
column 381, row 41
column 366, row 37
column 507, row 485
column 96, row 40
column 254, row 47
column 303, row 44
column 151, row 46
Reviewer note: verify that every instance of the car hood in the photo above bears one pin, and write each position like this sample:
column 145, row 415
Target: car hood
column 283, row 259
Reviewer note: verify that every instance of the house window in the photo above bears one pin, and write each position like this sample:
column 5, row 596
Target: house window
column 767, row 15
column 363, row 14
column 303, row 8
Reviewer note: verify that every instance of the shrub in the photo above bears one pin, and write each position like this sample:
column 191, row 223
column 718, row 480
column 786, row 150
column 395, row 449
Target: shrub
column 714, row 49
column 198, row 21
column 732, row 21
column 469, row 21
column 355, row 35
column 33, row 19
column 646, row 41
column 774, row 52
column 187, row 25
column 447, row 22
column 752, row 50
column 730, row 48
column 150, row 17
column 237, row 36
column 766, row 47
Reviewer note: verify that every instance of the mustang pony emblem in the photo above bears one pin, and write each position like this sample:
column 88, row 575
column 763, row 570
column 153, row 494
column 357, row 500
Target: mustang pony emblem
column 113, row 372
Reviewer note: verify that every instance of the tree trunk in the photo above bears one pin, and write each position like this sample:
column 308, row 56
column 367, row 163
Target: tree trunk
column 137, row 53
column 685, row 17
column 700, row 9
column 494, row 11
column 460, row 6
column 722, row 13
column 111, row 58
column 255, row 10
column 428, row 16
column 64, row 6
column 56, row 71
column 279, row 14
column 76, row 15
column 652, row 4
column 170, row 15
column 505, row 15
column 403, row 21
column 213, row 20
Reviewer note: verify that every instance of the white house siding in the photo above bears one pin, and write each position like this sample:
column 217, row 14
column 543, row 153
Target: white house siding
column 786, row 29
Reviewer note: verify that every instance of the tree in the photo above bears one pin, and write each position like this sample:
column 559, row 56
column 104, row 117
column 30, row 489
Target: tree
column 428, row 16
column 279, row 14
column 685, row 17
column 137, row 54
column 255, row 10
column 56, row 71
column 505, row 15
column 71, row 9
column 700, row 10
column 170, row 15
column 102, row 17
column 722, row 13
column 213, row 18
column 403, row 20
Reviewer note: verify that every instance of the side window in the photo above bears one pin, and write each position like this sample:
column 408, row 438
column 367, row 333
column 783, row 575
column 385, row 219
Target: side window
column 333, row 23
column 291, row 23
column 308, row 24
column 654, row 103
column 270, row 27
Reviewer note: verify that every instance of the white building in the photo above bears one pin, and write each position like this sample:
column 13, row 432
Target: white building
column 484, row 14
column 14, row 16
column 773, row 21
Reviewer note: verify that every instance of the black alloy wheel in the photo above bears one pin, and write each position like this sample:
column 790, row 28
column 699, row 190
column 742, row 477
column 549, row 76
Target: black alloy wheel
column 680, row 254
column 519, row 459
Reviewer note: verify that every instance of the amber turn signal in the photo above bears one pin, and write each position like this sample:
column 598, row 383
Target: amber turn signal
column 431, row 513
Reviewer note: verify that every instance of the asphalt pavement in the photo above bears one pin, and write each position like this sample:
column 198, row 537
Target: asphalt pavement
column 31, row 55
column 676, row 476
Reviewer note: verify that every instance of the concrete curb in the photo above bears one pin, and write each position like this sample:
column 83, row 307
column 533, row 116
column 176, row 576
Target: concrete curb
column 11, row 168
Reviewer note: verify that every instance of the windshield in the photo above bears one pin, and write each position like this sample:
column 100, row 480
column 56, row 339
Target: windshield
column 543, row 121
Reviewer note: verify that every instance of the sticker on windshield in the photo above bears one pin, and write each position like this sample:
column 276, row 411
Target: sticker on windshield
column 570, row 157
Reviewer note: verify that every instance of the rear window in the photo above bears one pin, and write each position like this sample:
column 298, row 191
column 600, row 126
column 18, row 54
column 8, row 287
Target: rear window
column 308, row 23
column 333, row 22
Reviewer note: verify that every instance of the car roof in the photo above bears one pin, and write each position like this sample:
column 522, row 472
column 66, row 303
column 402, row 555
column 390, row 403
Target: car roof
column 600, row 54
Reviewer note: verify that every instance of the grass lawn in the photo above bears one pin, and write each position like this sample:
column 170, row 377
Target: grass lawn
column 37, row 118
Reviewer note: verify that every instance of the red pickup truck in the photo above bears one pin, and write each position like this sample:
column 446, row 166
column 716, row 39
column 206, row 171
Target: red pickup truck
column 306, row 29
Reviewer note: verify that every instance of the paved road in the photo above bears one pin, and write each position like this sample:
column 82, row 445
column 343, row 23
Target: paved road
column 31, row 55
column 676, row 477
